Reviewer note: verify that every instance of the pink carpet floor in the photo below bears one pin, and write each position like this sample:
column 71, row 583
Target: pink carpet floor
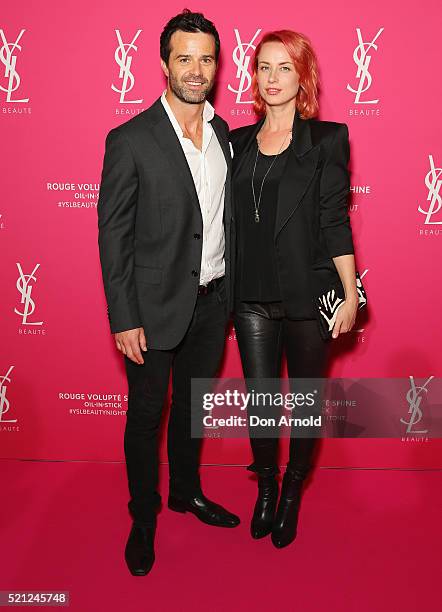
column 368, row 541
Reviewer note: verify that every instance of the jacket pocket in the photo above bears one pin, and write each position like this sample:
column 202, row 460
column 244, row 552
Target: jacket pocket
column 152, row 276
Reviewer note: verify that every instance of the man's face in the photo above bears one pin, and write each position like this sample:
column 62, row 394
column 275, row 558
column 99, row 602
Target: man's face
column 191, row 68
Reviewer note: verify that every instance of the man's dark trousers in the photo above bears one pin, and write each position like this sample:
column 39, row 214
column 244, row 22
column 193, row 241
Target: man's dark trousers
column 198, row 355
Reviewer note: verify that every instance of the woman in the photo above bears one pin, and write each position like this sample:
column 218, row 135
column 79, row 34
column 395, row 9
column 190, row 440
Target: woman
column 290, row 185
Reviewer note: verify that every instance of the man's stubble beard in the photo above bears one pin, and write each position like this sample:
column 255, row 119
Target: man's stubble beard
column 190, row 97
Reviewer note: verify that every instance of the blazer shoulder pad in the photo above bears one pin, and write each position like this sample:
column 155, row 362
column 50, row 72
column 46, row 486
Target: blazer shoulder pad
column 127, row 128
column 239, row 136
column 325, row 130
column 238, row 133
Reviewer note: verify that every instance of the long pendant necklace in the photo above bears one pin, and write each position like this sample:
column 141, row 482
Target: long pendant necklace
column 257, row 204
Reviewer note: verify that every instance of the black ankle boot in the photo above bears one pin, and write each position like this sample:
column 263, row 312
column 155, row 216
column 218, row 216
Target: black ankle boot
column 265, row 506
column 286, row 520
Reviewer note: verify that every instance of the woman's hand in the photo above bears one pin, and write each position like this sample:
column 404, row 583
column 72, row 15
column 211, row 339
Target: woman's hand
column 346, row 317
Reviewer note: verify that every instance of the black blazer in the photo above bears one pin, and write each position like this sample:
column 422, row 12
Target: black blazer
column 150, row 227
column 312, row 221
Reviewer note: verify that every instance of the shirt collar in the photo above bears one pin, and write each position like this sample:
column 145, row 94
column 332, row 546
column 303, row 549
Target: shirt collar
column 208, row 113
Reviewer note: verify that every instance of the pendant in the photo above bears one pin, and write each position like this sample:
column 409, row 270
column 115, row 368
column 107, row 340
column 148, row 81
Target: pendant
column 256, row 217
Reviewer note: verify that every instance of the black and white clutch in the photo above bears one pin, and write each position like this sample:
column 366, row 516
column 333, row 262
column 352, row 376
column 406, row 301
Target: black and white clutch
column 329, row 301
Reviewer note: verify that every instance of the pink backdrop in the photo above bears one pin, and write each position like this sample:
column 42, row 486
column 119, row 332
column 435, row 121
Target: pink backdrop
column 379, row 67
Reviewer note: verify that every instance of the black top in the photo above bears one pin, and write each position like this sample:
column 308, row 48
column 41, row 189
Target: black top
column 257, row 275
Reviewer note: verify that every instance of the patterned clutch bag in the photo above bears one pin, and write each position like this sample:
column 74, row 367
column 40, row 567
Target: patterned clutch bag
column 330, row 300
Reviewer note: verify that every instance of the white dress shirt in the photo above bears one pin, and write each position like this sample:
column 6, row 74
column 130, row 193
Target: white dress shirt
column 209, row 171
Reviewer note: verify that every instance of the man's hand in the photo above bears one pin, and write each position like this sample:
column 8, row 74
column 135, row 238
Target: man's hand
column 130, row 342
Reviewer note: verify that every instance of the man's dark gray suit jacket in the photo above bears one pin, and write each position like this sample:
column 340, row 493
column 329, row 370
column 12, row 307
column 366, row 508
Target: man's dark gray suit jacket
column 151, row 228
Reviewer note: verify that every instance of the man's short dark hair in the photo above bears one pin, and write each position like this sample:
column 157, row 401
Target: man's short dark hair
column 187, row 22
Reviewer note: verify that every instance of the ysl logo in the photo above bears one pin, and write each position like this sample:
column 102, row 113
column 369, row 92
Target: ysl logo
column 329, row 306
column 433, row 182
column 4, row 402
column 242, row 61
column 9, row 60
column 414, row 398
column 124, row 60
column 362, row 60
column 25, row 289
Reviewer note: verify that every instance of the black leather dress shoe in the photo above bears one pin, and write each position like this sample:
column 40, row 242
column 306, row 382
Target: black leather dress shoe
column 204, row 509
column 139, row 553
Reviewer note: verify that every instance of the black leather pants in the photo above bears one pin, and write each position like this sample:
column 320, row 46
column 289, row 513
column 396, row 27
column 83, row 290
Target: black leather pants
column 264, row 333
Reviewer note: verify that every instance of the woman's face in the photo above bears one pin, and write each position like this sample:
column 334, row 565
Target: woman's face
column 277, row 79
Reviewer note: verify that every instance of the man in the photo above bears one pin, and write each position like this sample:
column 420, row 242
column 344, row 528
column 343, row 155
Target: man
column 164, row 217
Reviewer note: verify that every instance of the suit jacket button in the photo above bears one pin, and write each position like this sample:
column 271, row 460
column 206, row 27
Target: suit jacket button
column 197, row 236
column 194, row 273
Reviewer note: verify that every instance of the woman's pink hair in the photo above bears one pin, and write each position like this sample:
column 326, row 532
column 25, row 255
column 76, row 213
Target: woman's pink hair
column 304, row 59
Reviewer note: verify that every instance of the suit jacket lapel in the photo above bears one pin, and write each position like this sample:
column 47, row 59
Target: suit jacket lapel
column 224, row 143
column 298, row 172
column 166, row 138
column 237, row 165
